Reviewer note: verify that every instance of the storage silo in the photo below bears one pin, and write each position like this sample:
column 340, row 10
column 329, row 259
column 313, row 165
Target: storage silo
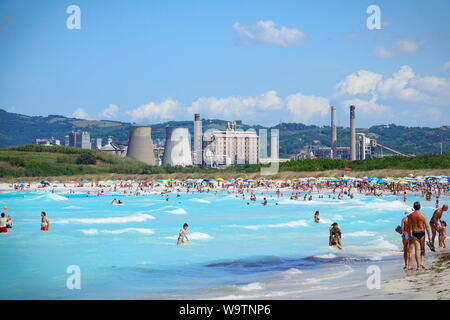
column 177, row 150
column 140, row 145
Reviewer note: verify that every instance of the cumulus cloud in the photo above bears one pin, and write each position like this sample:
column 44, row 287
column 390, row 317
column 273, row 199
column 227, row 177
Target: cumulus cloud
column 365, row 88
column 110, row 112
column 266, row 31
column 359, row 82
column 296, row 106
column 303, row 108
column 80, row 113
column 164, row 110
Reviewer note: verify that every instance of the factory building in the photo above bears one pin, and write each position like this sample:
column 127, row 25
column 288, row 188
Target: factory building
column 80, row 139
column 229, row 147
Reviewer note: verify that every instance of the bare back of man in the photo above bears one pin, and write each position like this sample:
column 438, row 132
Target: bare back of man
column 417, row 225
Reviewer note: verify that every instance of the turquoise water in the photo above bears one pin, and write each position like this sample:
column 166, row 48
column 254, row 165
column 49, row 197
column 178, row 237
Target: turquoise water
column 236, row 250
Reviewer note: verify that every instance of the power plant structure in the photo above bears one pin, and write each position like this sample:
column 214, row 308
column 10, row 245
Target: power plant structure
column 177, row 150
column 352, row 133
column 361, row 147
column 140, row 145
column 333, row 133
column 198, row 141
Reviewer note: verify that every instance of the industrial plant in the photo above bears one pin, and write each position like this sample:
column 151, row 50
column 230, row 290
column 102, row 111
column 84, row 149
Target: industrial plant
column 361, row 146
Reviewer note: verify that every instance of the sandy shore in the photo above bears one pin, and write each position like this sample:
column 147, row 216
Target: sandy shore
column 432, row 284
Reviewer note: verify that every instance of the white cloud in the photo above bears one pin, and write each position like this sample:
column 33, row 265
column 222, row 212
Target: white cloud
column 303, row 108
column 297, row 106
column 266, row 31
column 408, row 46
column 109, row 112
column 367, row 107
column 359, row 82
column 79, row 113
column 165, row 110
column 381, row 52
column 365, row 89
column 446, row 66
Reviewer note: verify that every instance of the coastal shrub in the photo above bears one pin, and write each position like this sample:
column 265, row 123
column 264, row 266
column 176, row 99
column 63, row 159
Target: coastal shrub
column 86, row 158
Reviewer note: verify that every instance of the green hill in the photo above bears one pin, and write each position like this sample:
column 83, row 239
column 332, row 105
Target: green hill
column 17, row 129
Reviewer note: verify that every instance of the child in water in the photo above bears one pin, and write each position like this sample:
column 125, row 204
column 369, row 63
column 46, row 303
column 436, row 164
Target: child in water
column 182, row 237
column 442, row 234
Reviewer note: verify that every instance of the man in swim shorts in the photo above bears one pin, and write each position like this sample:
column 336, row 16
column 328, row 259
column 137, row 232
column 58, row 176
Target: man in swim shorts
column 45, row 223
column 435, row 220
column 182, row 237
column 3, row 228
column 416, row 226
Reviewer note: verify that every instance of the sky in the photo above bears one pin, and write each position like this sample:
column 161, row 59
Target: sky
column 261, row 62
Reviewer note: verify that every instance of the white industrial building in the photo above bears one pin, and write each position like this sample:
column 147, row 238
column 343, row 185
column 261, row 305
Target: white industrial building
column 224, row 148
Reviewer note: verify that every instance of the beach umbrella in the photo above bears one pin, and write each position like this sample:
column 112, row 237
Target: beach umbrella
column 159, row 180
column 334, row 180
column 231, row 180
column 220, row 179
column 109, row 181
column 84, row 181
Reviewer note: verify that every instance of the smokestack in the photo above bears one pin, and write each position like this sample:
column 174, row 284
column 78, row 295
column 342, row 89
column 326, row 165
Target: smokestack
column 198, row 140
column 333, row 133
column 177, row 150
column 274, row 145
column 140, row 145
column 352, row 133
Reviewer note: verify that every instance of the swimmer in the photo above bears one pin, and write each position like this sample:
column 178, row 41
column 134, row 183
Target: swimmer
column 3, row 228
column 335, row 236
column 264, row 203
column 45, row 223
column 317, row 217
column 182, row 237
column 9, row 222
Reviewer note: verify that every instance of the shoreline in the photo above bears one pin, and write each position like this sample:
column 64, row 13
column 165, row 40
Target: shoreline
column 431, row 284
column 396, row 173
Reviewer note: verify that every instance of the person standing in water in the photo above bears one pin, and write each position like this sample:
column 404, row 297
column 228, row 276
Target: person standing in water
column 3, row 228
column 405, row 238
column 335, row 236
column 417, row 225
column 435, row 220
column 182, row 237
column 45, row 222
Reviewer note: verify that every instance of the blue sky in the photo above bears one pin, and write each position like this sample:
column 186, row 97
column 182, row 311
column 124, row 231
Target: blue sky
column 258, row 61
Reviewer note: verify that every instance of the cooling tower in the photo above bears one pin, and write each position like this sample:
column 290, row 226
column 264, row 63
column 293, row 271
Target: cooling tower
column 198, row 141
column 333, row 133
column 352, row 133
column 274, row 143
column 140, row 145
column 177, row 151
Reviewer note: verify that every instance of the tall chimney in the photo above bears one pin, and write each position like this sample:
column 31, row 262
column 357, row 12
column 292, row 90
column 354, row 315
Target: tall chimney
column 352, row 133
column 198, row 140
column 333, row 133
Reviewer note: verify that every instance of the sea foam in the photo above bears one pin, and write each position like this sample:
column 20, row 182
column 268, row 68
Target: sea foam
column 134, row 218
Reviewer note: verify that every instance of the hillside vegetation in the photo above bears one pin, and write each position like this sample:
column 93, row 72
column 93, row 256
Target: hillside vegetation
column 17, row 129
column 39, row 161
